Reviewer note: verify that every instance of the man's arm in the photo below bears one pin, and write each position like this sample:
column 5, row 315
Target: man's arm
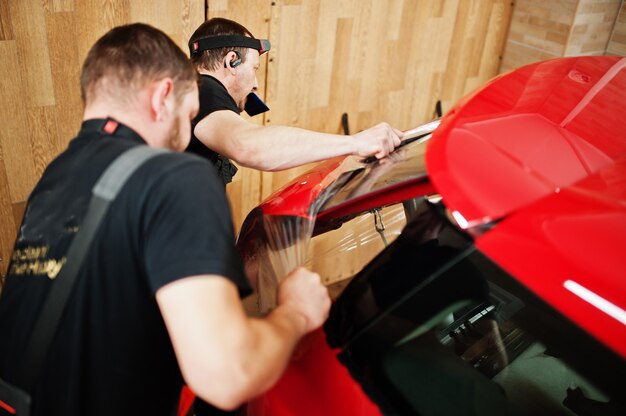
column 225, row 356
column 272, row 148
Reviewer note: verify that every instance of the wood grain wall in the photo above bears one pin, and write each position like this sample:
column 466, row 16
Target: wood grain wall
column 617, row 44
column 592, row 26
column 543, row 30
column 42, row 46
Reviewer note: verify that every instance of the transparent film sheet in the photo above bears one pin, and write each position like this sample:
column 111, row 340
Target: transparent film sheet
column 336, row 255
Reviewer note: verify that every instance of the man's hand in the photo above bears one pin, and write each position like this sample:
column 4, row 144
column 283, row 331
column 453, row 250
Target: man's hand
column 379, row 141
column 303, row 293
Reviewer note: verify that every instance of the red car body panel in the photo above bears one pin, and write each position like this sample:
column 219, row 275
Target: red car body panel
column 314, row 368
column 295, row 198
column 569, row 249
column 527, row 134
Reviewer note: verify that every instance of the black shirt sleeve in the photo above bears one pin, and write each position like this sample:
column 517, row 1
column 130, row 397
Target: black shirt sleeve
column 188, row 228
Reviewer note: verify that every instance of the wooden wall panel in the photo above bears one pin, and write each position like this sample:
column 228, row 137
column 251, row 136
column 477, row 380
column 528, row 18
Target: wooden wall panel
column 43, row 136
column 592, row 26
column 6, row 26
column 14, row 139
column 65, row 64
column 31, row 41
column 617, row 44
column 543, row 30
column 58, row 5
column 539, row 31
column 42, row 46
column 7, row 222
column 17, row 168
column 179, row 19
column 93, row 18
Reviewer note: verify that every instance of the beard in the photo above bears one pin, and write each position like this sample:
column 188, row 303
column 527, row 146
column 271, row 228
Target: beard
column 175, row 141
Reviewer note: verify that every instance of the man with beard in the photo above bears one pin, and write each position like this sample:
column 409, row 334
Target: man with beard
column 227, row 57
column 156, row 301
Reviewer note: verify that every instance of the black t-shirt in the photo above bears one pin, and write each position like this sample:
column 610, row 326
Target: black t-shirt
column 213, row 97
column 112, row 354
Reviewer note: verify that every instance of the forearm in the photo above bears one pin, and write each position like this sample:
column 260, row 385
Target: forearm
column 252, row 361
column 225, row 356
column 272, row 148
column 303, row 306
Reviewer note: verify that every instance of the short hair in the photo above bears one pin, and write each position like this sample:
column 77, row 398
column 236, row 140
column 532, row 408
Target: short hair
column 129, row 57
column 211, row 59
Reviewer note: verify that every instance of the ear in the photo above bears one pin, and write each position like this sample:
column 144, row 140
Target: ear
column 231, row 61
column 162, row 92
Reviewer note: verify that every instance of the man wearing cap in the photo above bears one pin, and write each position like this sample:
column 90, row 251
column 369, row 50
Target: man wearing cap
column 227, row 57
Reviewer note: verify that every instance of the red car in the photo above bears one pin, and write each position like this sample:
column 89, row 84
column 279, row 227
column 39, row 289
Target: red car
column 505, row 292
